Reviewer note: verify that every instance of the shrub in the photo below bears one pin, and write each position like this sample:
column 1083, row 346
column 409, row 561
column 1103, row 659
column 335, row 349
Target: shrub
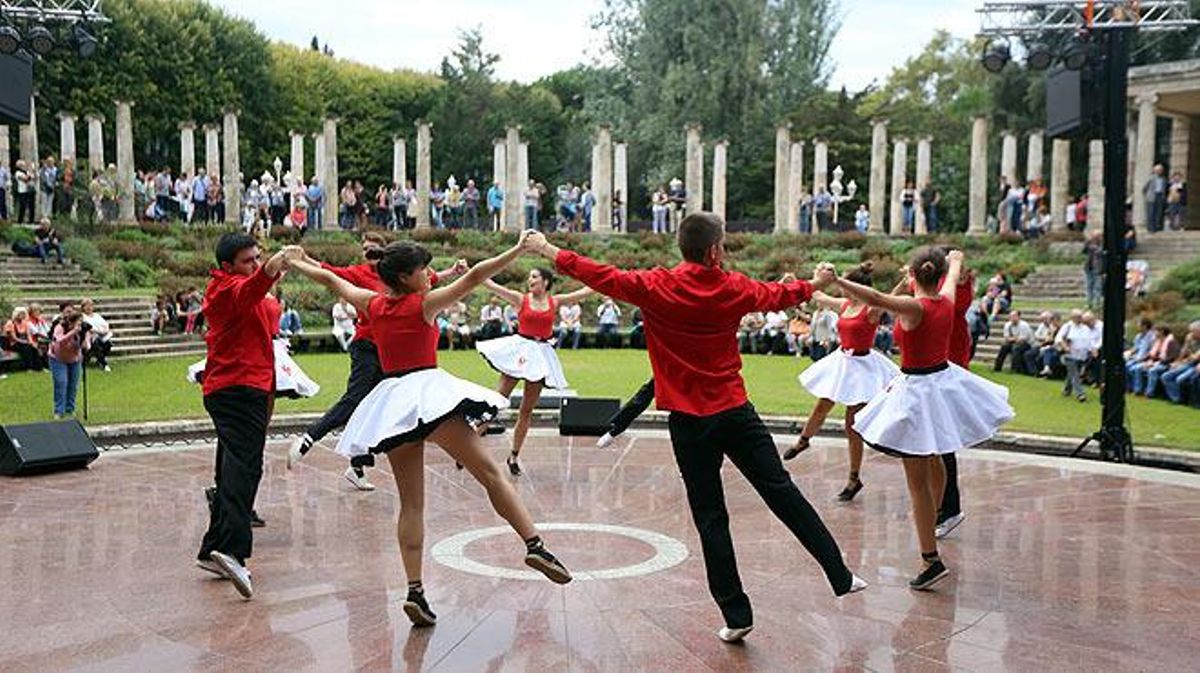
column 128, row 273
column 1158, row 306
column 10, row 233
column 1184, row 279
column 85, row 253
column 189, row 264
column 133, row 235
column 149, row 252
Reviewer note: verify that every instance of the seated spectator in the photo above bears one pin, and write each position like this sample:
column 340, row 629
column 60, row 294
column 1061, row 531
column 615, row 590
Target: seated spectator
column 977, row 323
column 824, row 333
column 748, row 331
column 98, row 343
column 190, row 316
column 461, row 326
column 570, row 323
column 1142, row 343
column 1137, row 272
column 159, row 316
column 1091, row 370
column 344, row 314
column 1018, row 340
column 609, row 315
column 637, row 334
column 491, row 320
column 885, row 338
column 47, row 240
column 1179, row 377
column 1074, row 339
column 1164, row 351
column 289, row 320
column 298, row 217
column 39, row 333
column 511, row 321
column 445, row 329
column 998, row 297
column 774, row 332
column 18, row 339
column 798, row 333
column 1043, row 358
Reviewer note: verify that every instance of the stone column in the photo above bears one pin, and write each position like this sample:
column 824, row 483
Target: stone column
column 6, row 160
column 1060, row 182
column 296, row 165
column 212, row 150
column 232, row 180
column 878, row 195
column 319, row 158
column 1143, row 158
column 621, row 181
column 783, row 151
column 95, row 124
column 1095, row 216
column 693, row 178
column 29, row 149
column 399, row 160
column 513, row 211
column 924, row 171
column 1008, row 156
column 499, row 162
column 795, row 186
column 977, row 205
column 720, row 167
column 187, row 148
column 1037, row 156
column 603, row 186
column 125, row 167
column 523, row 180
column 820, row 165
column 66, row 138
column 594, row 175
column 424, row 172
column 899, row 178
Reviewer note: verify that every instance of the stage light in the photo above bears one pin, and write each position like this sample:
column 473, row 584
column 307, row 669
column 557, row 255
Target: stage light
column 1077, row 55
column 10, row 40
column 996, row 56
column 85, row 42
column 1039, row 56
column 40, row 40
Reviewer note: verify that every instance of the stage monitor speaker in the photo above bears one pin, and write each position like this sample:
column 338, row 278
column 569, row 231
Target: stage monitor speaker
column 37, row 448
column 1072, row 103
column 16, row 72
column 586, row 416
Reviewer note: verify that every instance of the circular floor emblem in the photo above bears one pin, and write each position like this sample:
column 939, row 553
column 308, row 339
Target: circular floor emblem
column 668, row 552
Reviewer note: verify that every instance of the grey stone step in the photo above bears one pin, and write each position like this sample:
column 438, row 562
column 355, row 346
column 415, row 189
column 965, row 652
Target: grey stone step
column 163, row 348
column 198, row 354
column 151, row 338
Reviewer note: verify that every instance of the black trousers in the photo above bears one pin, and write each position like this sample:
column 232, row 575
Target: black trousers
column 100, row 350
column 240, row 415
column 365, row 374
column 950, row 502
column 640, row 401
column 701, row 444
column 25, row 207
column 1018, row 351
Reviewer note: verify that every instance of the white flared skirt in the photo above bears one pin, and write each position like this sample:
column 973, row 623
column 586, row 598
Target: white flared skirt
column 847, row 378
column 290, row 380
column 408, row 408
column 930, row 414
column 524, row 359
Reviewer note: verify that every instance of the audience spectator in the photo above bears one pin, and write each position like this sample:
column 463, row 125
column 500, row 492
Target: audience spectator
column 570, row 323
column 862, row 219
column 1075, row 340
column 24, row 193
column 495, row 205
column 47, row 183
column 1185, row 368
column 532, row 201
column 1018, row 341
column 1164, row 351
column 824, row 333
column 798, row 333
column 47, row 240
column 289, row 320
column 998, row 297
column 1176, row 201
column 315, row 196
column 190, row 303
column 637, row 334
column 510, row 319
column 471, row 205
column 39, row 331
column 18, row 338
column 658, row 210
column 344, row 314
column 1043, row 359
column 458, row 322
column 1142, row 343
column 159, row 316
column 609, row 315
column 491, row 320
column 774, row 332
column 1093, row 268
column 748, row 331
column 885, row 338
column 99, row 339
column 1093, row 367
column 5, row 180
column 66, row 356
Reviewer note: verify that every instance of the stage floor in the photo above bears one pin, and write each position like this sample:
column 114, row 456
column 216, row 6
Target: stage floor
column 1060, row 566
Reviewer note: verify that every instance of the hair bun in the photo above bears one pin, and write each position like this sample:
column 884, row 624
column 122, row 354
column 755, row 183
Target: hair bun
column 928, row 265
column 374, row 253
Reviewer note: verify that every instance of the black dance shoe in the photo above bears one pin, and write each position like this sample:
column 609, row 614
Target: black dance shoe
column 850, row 491
column 418, row 610
column 932, row 574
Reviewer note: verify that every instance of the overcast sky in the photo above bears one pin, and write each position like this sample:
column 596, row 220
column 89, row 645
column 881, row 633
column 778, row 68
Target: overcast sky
column 538, row 37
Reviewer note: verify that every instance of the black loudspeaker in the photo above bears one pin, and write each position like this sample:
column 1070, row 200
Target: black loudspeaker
column 16, row 71
column 586, row 416
column 45, row 447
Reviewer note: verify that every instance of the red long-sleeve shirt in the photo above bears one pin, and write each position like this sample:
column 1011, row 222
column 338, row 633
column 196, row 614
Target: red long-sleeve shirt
column 240, row 326
column 691, row 315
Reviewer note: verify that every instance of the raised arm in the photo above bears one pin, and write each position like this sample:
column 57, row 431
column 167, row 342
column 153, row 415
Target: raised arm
column 825, row 301
column 460, row 267
column 620, row 285
column 906, row 308
column 574, row 297
column 950, row 286
column 444, row 297
column 511, row 297
column 357, row 296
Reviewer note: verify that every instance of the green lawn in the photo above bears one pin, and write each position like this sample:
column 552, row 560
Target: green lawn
column 156, row 389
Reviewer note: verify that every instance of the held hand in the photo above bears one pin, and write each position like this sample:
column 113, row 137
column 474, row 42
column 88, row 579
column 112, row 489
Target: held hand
column 955, row 256
column 460, row 267
column 293, row 253
column 534, row 240
column 823, row 276
column 788, row 277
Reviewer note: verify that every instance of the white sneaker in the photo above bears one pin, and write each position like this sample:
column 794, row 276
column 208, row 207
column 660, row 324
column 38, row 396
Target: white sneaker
column 734, row 635
column 605, row 440
column 360, row 483
column 297, row 450
column 212, row 567
column 236, row 572
column 107, row 368
column 944, row 528
column 857, row 584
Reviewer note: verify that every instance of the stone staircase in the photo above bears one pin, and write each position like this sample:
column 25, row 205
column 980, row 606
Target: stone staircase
column 25, row 276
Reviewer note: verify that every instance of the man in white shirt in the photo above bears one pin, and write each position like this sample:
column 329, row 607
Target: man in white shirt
column 824, row 333
column 1092, row 370
column 1018, row 339
column 344, row 315
column 609, row 315
column 749, row 331
column 774, row 332
column 491, row 320
column 1075, row 339
column 99, row 339
column 570, row 322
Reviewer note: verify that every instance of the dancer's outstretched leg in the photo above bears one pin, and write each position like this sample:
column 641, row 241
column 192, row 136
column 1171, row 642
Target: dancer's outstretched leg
column 621, row 421
column 529, row 400
column 854, row 442
column 408, row 469
column 918, row 470
column 815, row 419
column 462, row 443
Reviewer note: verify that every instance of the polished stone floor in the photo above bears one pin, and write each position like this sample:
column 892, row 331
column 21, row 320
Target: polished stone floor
column 1060, row 566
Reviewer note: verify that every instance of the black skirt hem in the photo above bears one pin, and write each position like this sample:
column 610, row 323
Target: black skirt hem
column 472, row 411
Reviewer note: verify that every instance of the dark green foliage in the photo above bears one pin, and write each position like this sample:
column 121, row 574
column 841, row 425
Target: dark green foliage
column 1184, row 279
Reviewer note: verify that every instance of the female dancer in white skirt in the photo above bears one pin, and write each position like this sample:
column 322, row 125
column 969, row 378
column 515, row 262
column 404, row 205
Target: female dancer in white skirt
column 934, row 406
column 417, row 401
column 528, row 355
column 851, row 375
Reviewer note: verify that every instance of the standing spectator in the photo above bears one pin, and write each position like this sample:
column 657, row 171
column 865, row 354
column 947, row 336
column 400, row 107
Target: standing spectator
column 1176, row 201
column 1015, row 206
column 277, row 201
column 862, row 219
column 454, row 204
column 99, row 339
column 618, row 209
column 399, row 201
column 1164, row 351
column 495, row 205
column 183, row 197
column 159, row 316
column 216, row 199
column 609, row 315
column 289, row 320
column 1155, row 193
column 349, row 202
column 1178, row 377
column 1081, row 214
column 658, row 210
column 66, row 356
column 316, row 204
column 412, row 204
column 1042, row 359
column 46, row 238
column 1092, row 371
column 533, row 203
column 824, row 333
column 162, row 194
column 47, row 183
column 588, row 204
column 360, row 205
column 26, row 186
column 1018, row 341
column 437, row 205
column 383, row 207
column 676, row 202
column 200, row 197
column 1093, row 268
column 17, row 338
column 5, row 181
column 908, row 210
column 931, row 198
column 491, row 320
column 471, row 205
column 570, row 322
column 823, row 206
column 1075, row 340
column 806, row 213
column 344, row 315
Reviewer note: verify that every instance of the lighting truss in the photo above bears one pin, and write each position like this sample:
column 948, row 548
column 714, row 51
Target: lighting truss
column 54, row 11
column 1017, row 18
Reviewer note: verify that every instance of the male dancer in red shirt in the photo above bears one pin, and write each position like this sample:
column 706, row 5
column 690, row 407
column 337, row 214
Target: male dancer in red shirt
column 691, row 316
column 239, row 384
